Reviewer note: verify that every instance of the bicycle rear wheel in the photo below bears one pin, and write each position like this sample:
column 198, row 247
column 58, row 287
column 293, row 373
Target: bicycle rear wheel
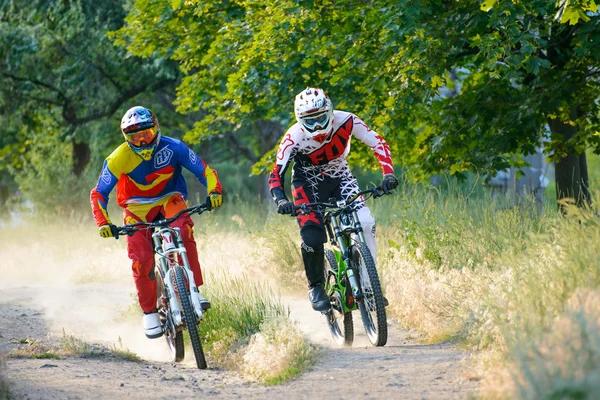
column 189, row 317
column 336, row 316
column 372, row 306
column 173, row 337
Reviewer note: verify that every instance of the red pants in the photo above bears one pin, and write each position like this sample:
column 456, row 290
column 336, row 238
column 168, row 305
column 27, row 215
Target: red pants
column 139, row 245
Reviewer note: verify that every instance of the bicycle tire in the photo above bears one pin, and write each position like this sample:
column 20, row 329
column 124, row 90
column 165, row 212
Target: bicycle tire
column 190, row 318
column 345, row 336
column 176, row 346
column 373, row 299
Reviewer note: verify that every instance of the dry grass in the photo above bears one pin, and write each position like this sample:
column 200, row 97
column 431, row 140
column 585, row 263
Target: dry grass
column 248, row 329
column 70, row 346
column 511, row 290
column 277, row 353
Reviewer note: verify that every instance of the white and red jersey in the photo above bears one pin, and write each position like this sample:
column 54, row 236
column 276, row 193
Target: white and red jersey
column 313, row 159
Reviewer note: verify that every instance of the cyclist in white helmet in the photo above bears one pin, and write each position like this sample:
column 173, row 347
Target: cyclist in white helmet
column 319, row 143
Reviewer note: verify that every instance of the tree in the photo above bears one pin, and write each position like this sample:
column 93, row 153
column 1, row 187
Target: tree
column 527, row 64
column 60, row 71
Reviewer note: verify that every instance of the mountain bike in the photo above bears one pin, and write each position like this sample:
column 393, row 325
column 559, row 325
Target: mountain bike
column 351, row 278
column 177, row 308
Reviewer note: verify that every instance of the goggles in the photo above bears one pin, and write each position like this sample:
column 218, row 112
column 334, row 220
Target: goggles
column 317, row 121
column 142, row 138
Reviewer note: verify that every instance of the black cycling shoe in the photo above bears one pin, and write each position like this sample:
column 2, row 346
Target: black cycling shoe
column 318, row 298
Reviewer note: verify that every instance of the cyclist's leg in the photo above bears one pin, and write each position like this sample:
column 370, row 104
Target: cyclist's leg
column 312, row 232
column 139, row 249
column 172, row 206
column 313, row 236
column 368, row 224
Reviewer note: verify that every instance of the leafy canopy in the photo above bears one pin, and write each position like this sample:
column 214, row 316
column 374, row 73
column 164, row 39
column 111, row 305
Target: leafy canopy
column 519, row 64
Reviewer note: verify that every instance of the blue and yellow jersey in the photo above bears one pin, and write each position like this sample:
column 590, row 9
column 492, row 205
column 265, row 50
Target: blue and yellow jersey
column 147, row 182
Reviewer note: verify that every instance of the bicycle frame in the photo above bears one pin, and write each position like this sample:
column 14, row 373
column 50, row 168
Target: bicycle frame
column 340, row 235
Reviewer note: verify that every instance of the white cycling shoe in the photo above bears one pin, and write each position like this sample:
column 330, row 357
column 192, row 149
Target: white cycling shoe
column 203, row 301
column 152, row 327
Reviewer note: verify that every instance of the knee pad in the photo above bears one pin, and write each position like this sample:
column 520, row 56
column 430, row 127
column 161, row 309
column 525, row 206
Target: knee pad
column 313, row 237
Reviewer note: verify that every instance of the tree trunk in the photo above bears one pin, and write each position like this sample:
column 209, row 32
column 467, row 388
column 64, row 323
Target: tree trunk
column 271, row 133
column 81, row 157
column 572, row 179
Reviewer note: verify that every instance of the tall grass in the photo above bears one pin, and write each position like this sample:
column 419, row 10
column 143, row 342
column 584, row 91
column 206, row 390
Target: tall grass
column 248, row 329
column 506, row 281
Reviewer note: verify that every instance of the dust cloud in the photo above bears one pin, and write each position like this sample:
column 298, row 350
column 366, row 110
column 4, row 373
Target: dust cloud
column 83, row 286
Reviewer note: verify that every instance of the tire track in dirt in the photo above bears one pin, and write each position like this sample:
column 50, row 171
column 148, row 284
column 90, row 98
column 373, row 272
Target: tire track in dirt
column 402, row 369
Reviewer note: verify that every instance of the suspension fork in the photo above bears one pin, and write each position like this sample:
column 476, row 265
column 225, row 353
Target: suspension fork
column 339, row 235
column 188, row 272
column 164, row 268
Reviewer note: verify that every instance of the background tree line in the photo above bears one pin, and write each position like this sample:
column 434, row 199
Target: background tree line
column 223, row 75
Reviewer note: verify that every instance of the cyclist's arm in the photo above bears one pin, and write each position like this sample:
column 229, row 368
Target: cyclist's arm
column 379, row 146
column 99, row 195
column 205, row 174
column 287, row 148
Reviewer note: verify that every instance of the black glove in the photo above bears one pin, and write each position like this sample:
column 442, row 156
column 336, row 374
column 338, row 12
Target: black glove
column 389, row 183
column 285, row 207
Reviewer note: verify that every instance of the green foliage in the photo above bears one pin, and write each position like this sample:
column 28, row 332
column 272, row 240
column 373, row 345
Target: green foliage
column 387, row 63
column 62, row 76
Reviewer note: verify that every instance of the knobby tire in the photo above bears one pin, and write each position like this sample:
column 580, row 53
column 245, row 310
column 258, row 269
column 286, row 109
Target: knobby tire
column 190, row 318
column 377, row 333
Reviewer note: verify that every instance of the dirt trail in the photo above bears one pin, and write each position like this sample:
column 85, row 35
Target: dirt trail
column 402, row 369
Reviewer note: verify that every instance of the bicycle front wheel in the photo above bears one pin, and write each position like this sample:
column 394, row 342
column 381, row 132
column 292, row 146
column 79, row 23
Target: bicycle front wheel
column 372, row 306
column 189, row 316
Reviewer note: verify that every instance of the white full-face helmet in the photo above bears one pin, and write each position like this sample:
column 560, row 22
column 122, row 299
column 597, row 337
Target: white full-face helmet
column 314, row 111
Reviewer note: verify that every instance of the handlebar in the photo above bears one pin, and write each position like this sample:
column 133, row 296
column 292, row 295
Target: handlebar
column 132, row 228
column 375, row 192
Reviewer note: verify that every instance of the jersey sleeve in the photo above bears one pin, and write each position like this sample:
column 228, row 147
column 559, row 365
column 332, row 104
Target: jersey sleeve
column 379, row 146
column 285, row 152
column 205, row 174
column 99, row 195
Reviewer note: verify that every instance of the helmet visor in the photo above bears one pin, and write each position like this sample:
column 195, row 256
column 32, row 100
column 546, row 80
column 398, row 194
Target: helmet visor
column 142, row 138
column 316, row 121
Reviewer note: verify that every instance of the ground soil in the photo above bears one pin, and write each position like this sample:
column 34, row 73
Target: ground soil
column 404, row 368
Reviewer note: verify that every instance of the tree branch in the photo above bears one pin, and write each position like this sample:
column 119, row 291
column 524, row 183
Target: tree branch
column 36, row 82
column 114, row 106
column 105, row 74
column 245, row 150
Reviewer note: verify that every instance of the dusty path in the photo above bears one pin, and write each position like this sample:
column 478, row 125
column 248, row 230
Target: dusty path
column 402, row 369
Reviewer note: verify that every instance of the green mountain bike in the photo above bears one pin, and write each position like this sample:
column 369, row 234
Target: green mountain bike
column 351, row 278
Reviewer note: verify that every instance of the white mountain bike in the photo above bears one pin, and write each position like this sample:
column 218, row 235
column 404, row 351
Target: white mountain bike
column 178, row 310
